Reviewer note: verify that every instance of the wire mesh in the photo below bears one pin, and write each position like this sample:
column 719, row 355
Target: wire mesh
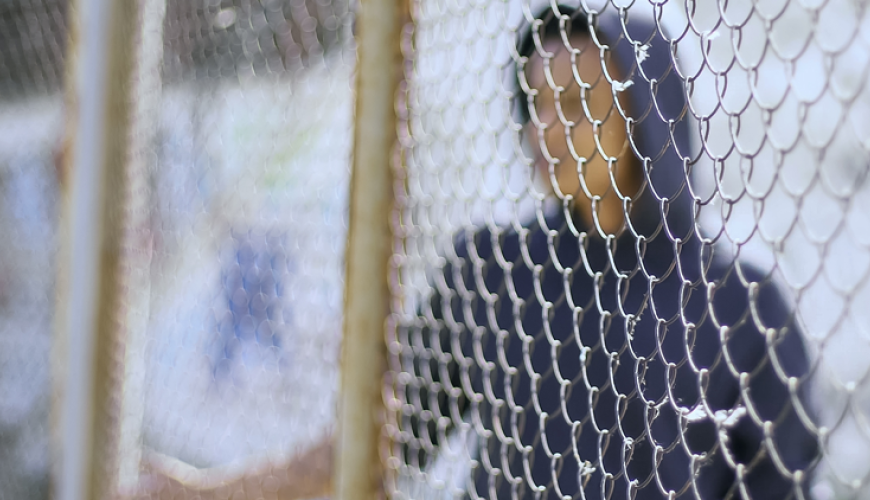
column 631, row 254
column 33, row 37
column 630, row 261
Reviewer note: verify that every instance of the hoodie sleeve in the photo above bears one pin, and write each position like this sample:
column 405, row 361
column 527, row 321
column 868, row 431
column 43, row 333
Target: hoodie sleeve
column 439, row 355
column 764, row 350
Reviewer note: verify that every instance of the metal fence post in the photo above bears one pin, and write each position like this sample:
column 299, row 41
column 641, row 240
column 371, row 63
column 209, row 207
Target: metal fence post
column 104, row 244
column 358, row 468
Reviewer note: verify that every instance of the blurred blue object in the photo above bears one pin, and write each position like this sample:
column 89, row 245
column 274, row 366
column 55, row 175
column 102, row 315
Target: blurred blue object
column 252, row 309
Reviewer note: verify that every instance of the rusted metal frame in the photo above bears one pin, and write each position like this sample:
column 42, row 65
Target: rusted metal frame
column 104, row 246
column 359, row 471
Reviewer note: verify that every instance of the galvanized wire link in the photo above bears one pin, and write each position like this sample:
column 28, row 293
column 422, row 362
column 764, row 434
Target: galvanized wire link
column 631, row 254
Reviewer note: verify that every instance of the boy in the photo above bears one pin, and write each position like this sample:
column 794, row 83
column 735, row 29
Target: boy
column 604, row 351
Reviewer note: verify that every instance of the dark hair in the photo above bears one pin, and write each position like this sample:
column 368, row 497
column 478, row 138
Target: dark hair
column 531, row 39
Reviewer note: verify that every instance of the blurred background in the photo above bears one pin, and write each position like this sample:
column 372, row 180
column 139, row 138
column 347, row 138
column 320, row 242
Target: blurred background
column 247, row 178
column 34, row 36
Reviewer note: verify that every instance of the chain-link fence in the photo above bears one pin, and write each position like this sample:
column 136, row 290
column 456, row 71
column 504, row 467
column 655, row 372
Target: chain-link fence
column 631, row 252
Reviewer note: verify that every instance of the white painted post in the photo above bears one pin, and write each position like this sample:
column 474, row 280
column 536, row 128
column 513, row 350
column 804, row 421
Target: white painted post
column 114, row 56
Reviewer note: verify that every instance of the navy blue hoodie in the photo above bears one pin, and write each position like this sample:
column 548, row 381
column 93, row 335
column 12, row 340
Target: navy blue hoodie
column 622, row 368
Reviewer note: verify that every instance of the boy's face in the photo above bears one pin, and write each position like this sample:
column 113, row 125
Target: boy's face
column 578, row 105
